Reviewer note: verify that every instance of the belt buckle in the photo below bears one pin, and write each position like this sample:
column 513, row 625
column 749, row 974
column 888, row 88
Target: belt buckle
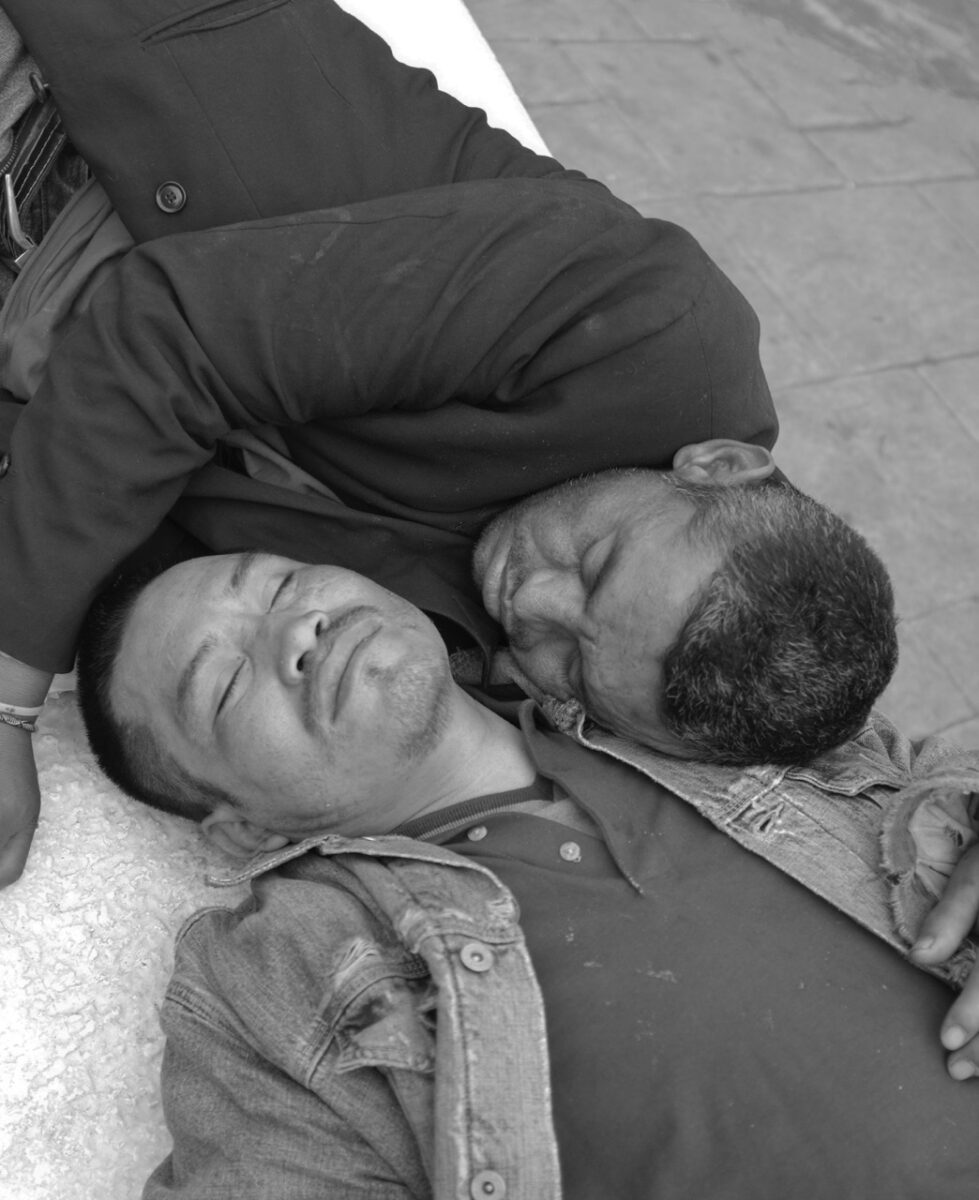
column 13, row 233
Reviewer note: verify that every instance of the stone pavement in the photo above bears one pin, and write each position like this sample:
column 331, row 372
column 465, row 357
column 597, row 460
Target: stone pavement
column 826, row 153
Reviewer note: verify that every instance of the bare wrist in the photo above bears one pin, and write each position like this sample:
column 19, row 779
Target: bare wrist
column 21, row 684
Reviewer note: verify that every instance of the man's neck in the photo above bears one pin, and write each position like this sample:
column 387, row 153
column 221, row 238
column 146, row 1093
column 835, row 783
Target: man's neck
column 481, row 754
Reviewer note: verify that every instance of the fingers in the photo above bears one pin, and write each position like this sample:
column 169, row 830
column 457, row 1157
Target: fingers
column 960, row 1029
column 13, row 856
column 954, row 916
column 951, row 920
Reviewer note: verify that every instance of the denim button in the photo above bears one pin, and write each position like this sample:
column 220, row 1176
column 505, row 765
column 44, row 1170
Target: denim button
column 476, row 957
column 477, row 833
column 570, row 852
column 170, row 197
column 4, row 464
column 487, row 1185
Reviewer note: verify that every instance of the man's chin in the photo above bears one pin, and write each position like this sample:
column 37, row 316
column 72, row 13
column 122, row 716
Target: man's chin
column 420, row 708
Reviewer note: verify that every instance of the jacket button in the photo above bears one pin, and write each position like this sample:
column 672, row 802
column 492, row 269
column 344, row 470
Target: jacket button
column 487, row 1185
column 570, row 852
column 476, row 957
column 170, row 197
column 477, row 833
column 4, row 464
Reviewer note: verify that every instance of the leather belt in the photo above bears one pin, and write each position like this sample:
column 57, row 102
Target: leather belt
column 39, row 139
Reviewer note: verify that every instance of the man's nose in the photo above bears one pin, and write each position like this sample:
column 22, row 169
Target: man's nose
column 292, row 640
column 550, row 598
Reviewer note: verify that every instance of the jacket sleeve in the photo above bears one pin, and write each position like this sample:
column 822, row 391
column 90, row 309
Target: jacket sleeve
column 927, row 829
column 242, row 1126
column 548, row 305
column 294, row 1068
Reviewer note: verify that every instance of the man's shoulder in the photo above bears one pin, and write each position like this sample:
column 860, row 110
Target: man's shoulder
column 338, row 888
column 267, row 969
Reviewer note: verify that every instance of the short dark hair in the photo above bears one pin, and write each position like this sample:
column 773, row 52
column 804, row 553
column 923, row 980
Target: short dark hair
column 791, row 640
column 128, row 751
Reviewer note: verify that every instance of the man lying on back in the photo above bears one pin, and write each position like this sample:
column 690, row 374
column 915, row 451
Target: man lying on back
column 372, row 1022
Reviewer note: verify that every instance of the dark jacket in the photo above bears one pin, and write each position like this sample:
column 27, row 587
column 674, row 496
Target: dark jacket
column 447, row 340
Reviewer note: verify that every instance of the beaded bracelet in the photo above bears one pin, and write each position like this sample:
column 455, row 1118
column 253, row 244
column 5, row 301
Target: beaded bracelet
column 20, row 717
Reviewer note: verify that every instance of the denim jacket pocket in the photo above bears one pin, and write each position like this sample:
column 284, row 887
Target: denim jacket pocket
column 389, row 1028
column 388, row 1024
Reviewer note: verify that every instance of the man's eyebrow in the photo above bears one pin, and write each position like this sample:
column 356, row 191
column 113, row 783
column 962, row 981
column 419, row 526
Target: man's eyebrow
column 609, row 563
column 242, row 568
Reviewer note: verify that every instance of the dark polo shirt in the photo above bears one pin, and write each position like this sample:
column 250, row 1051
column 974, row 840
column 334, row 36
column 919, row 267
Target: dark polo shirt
column 715, row 1030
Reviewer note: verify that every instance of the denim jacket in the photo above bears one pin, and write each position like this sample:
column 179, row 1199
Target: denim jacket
column 301, row 1052
column 302, row 1058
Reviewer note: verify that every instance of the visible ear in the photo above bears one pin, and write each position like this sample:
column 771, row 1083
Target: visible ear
column 723, row 462
column 236, row 835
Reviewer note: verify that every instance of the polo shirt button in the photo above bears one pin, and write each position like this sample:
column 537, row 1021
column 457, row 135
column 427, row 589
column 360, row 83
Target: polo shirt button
column 570, row 852
column 487, row 1185
column 170, row 197
column 4, row 464
column 477, row 833
column 476, row 957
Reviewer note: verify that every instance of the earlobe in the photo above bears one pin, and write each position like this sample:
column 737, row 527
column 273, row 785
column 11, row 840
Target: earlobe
column 227, row 829
column 723, row 462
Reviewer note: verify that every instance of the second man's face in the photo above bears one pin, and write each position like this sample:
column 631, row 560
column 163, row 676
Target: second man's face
column 592, row 582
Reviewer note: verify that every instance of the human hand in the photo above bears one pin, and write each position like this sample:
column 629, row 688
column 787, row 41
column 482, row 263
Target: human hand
column 953, row 918
column 20, row 802
column 20, row 797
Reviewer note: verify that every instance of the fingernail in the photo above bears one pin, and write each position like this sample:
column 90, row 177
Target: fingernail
column 953, row 1038
column 921, row 946
column 961, row 1070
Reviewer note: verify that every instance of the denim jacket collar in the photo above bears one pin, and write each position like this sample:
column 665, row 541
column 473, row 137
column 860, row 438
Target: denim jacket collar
column 388, row 846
